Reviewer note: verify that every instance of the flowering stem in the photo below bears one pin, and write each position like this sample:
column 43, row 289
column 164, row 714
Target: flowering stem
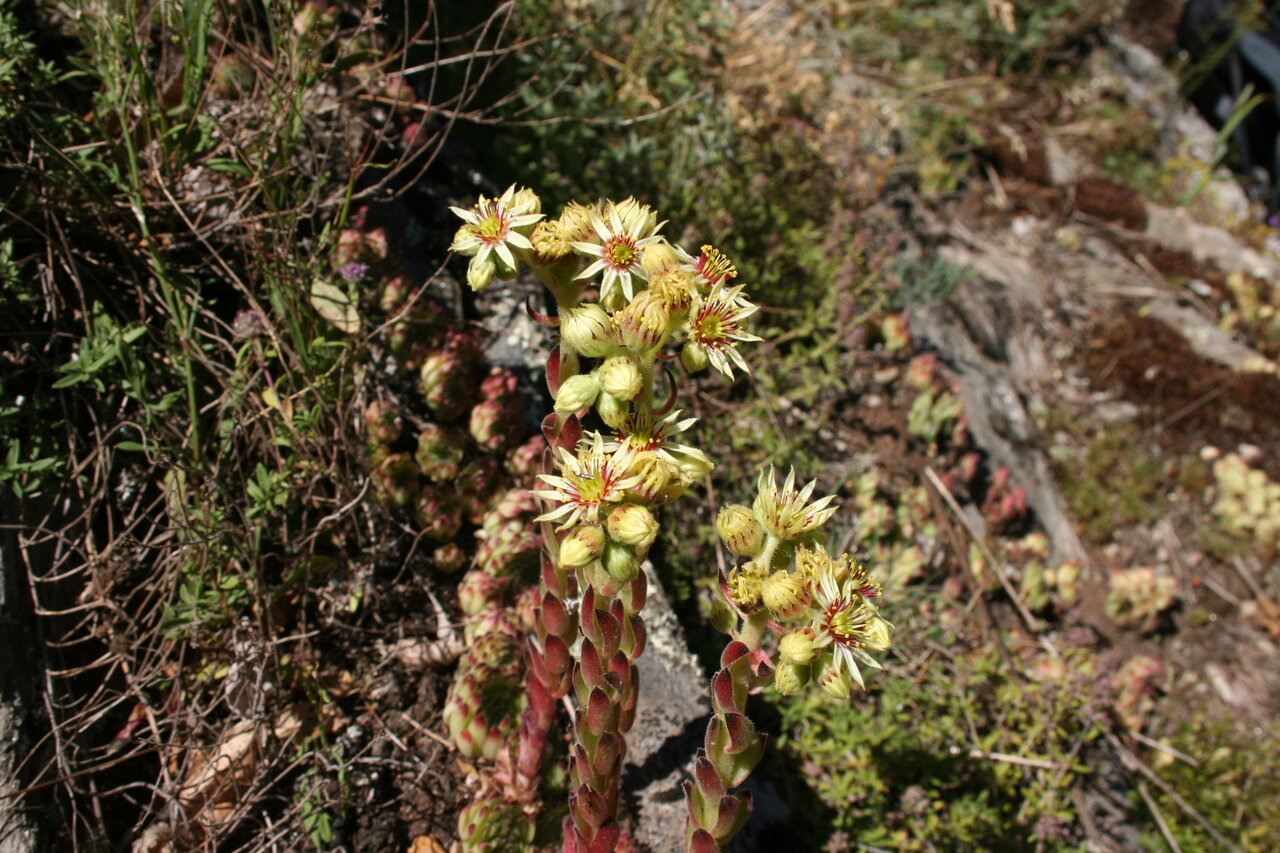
column 753, row 627
column 601, row 492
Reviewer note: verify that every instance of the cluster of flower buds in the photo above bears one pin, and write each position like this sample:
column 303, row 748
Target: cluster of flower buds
column 824, row 609
column 655, row 300
column 825, row 605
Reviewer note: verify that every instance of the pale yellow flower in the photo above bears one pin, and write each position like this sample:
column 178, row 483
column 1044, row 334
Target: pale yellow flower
column 716, row 324
column 849, row 625
column 786, row 513
column 492, row 226
column 589, row 483
column 621, row 236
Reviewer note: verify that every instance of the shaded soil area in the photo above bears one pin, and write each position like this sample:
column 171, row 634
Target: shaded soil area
column 1186, row 401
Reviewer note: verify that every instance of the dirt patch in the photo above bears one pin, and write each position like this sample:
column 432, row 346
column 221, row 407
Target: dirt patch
column 1153, row 24
column 1186, row 401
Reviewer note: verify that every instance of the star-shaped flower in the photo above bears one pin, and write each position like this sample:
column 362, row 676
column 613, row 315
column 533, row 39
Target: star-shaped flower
column 589, row 483
column 716, row 325
column 787, row 513
column 848, row 624
column 621, row 236
column 493, row 226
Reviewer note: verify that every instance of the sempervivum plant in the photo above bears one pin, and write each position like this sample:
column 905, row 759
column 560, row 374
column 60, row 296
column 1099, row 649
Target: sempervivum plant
column 487, row 694
column 825, row 611
column 617, row 455
column 629, row 304
column 509, row 544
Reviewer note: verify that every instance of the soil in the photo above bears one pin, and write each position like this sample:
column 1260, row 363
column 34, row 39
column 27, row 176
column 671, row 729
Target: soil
column 1185, row 401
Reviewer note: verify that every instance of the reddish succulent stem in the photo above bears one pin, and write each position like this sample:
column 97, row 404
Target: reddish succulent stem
column 547, row 654
column 731, row 750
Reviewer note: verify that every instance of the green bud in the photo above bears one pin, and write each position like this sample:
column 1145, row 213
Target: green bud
column 693, row 356
column 581, row 546
column 577, row 393
column 524, row 202
column 480, row 273
column 797, row 647
column 835, row 682
column 788, row 678
column 644, row 322
column 633, row 525
column 784, row 594
column 588, row 329
column 658, row 256
column 620, row 561
column 738, row 528
column 878, row 633
column 621, row 377
column 612, row 410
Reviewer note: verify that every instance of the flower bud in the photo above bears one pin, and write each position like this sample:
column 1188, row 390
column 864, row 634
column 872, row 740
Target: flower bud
column 621, row 377
column 504, row 271
column 741, row 533
column 620, row 561
column 693, row 356
column 877, row 634
column 480, row 272
column 643, row 323
column 577, row 393
column 633, row 525
column 835, row 682
column 784, row 594
column 581, row 546
column 462, row 242
column 524, row 202
column 574, row 223
column 640, row 217
column 658, row 256
column 612, row 410
column 789, row 678
column 693, row 463
column 549, row 245
column 797, row 647
column 588, row 329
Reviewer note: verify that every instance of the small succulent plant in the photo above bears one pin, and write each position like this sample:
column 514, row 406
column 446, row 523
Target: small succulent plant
column 1137, row 597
